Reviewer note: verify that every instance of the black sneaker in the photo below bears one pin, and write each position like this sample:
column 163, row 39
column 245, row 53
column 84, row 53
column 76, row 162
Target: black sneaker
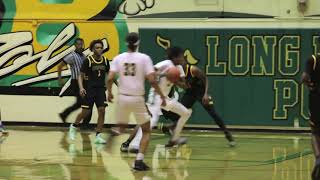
column 139, row 165
column 180, row 141
column 124, row 147
column 62, row 117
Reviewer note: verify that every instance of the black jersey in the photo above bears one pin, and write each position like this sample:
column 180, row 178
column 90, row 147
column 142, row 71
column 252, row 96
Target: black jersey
column 95, row 71
column 196, row 85
column 313, row 69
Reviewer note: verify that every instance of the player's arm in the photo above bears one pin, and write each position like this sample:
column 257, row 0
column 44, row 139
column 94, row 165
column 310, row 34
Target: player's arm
column 153, row 82
column 197, row 72
column 182, row 82
column 305, row 78
column 151, row 76
column 114, row 69
column 60, row 67
column 110, row 81
column 84, row 69
column 68, row 59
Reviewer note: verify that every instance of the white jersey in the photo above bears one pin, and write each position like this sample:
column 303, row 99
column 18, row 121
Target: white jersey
column 133, row 68
column 164, row 84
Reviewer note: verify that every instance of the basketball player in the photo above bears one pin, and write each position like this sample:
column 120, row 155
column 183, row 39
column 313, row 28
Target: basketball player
column 92, row 88
column 197, row 90
column 311, row 78
column 133, row 68
column 176, row 56
column 75, row 60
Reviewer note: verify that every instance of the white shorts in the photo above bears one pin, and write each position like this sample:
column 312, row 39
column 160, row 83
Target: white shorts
column 135, row 105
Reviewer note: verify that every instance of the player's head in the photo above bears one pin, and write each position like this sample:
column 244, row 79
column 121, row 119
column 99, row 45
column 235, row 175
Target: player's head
column 132, row 41
column 79, row 44
column 96, row 46
column 176, row 55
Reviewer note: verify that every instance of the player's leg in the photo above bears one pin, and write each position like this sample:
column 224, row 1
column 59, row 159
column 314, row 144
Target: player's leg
column 74, row 127
column 75, row 91
column 101, row 103
column 86, row 121
column 134, row 145
column 153, row 108
column 212, row 112
column 125, row 146
column 169, row 129
column 314, row 100
column 187, row 100
column 184, row 113
column 123, row 111
column 87, row 104
column 143, row 118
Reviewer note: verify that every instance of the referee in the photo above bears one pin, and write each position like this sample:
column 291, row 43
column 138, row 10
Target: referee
column 75, row 60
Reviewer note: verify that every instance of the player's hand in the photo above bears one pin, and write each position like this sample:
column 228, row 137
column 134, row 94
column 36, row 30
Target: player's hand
column 164, row 102
column 110, row 97
column 83, row 92
column 206, row 99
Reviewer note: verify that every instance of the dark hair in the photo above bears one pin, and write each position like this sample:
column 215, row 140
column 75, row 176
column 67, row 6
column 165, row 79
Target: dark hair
column 174, row 52
column 78, row 39
column 132, row 40
column 94, row 42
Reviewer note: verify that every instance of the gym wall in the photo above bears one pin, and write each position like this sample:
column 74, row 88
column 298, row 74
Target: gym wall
column 253, row 52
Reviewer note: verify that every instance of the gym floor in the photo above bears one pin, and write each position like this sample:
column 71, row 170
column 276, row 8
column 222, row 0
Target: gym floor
column 46, row 153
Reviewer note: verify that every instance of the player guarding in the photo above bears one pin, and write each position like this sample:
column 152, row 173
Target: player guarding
column 170, row 72
column 133, row 68
column 198, row 91
column 92, row 82
column 311, row 78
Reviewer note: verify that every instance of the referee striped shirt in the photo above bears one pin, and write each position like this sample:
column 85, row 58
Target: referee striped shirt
column 75, row 61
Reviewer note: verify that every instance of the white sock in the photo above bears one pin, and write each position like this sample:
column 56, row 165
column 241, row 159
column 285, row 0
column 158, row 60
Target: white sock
column 140, row 156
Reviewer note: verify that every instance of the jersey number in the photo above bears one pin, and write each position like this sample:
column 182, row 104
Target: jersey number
column 130, row 69
column 99, row 73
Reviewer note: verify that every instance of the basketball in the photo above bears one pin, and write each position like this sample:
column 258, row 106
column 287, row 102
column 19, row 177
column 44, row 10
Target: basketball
column 173, row 74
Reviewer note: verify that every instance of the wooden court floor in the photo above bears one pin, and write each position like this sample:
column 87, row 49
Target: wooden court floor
column 37, row 153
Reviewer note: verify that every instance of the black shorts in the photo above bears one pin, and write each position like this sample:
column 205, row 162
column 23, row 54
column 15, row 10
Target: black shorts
column 314, row 104
column 94, row 96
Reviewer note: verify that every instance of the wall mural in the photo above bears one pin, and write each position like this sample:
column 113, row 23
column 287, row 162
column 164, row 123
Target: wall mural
column 32, row 44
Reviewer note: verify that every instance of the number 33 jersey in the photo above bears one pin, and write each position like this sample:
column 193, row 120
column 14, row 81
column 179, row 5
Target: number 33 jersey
column 95, row 71
column 132, row 67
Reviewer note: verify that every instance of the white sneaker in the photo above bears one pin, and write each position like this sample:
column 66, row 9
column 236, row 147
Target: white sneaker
column 2, row 130
column 72, row 132
column 232, row 143
column 99, row 139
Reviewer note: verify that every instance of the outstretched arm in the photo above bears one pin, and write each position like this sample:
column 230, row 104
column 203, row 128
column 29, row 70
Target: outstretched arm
column 201, row 75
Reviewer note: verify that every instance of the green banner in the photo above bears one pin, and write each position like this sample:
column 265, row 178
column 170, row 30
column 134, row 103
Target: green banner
column 253, row 74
